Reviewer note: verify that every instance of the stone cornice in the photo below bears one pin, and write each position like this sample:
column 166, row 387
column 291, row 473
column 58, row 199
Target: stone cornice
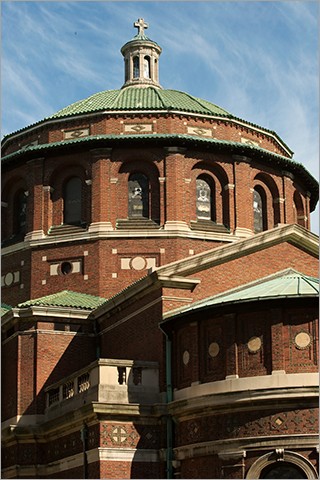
column 294, row 234
column 247, row 392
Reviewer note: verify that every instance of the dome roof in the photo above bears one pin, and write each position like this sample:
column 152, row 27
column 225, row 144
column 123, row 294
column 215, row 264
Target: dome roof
column 139, row 99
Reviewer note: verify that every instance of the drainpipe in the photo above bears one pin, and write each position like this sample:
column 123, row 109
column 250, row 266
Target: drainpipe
column 169, row 398
column 84, row 436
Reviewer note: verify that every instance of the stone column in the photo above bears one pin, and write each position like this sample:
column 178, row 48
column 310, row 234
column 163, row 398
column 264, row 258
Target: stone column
column 175, row 213
column 280, row 201
column 35, row 204
column 162, row 182
column 232, row 216
column 100, row 215
column 47, row 206
column 243, row 196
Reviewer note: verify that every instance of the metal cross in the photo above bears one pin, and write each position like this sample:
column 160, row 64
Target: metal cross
column 141, row 24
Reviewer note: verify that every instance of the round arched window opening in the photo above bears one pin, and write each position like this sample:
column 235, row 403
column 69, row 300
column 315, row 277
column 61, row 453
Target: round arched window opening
column 66, row 268
column 259, row 210
column 138, row 192
column 72, row 201
column 204, row 202
column 282, row 464
column 282, row 470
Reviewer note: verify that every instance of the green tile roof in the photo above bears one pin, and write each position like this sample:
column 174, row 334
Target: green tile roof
column 140, row 37
column 5, row 308
column 143, row 98
column 285, row 284
column 68, row 299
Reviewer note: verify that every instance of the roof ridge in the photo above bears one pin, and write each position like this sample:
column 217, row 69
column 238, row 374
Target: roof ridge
column 159, row 94
column 202, row 101
column 119, row 95
column 56, row 295
column 198, row 100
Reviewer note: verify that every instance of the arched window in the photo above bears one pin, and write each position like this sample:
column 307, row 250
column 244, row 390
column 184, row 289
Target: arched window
column 204, row 204
column 72, row 212
column 259, row 210
column 20, row 212
column 136, row 67
column 146, row 67
column 282, row 470
column 138, row 192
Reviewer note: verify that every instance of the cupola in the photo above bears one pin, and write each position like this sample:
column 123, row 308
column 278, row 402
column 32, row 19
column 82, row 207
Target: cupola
column 141, row 58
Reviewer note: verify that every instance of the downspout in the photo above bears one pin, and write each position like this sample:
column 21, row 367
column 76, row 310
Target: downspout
column 84, row 437
column 169, row 398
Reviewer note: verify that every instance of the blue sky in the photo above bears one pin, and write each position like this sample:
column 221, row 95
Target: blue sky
column 258, row 60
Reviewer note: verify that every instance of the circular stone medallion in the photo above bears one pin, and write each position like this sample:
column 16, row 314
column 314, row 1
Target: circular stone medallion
column 254, row 344
column 186, row 357
column 213, row 349
column 8, row 279
column 138, row 263
column 302, row 340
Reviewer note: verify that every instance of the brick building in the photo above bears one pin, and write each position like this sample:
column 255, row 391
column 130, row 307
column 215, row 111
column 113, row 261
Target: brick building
column 160, row 285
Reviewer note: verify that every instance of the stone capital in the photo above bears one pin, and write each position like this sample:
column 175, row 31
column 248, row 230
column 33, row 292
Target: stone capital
column 173, row 150
column 98, row 153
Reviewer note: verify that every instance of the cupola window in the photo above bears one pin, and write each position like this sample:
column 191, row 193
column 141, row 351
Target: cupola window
column 204, row 202
column 146, row 67
column 138, row 200
column 72, row 201
column 136, row 67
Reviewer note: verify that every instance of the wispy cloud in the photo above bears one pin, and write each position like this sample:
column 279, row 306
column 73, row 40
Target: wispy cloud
column 257, row 60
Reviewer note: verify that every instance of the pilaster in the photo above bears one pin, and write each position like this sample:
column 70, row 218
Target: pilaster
column 175, row 213
column 35, row 205
column 243, row 197
column 100, row 195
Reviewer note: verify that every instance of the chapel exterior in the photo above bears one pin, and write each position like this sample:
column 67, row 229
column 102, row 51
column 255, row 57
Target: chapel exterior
column 160, row 291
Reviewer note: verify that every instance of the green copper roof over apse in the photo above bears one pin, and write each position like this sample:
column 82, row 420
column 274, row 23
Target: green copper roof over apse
column 285, row 284
column 142, row 98
column 66, row 299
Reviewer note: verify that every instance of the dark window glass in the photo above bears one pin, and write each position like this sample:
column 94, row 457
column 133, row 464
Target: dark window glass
column 20, row 212
column 204, row 200
column 136, row 67
column 72, row 201
column 146, row 67
column 126, row 74
column 257, row 212
column 282, row 470
column 138, row 196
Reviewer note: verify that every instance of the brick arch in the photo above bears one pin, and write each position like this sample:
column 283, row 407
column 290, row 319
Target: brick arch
column 56, row 182
column 266, row 186
column 219, row 180
column 151, row 171
column 299, row 211
column 10, row 190
column 137, row 154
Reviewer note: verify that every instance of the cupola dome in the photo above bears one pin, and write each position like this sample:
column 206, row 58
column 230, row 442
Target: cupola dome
column 141, row 56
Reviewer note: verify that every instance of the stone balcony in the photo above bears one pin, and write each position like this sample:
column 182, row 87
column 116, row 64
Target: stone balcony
column 108, row 381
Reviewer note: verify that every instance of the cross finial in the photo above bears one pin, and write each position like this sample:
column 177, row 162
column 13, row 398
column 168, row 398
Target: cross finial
column 141, row 24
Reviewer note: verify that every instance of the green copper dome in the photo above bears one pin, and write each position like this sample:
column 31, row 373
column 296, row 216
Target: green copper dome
column 143, row 98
